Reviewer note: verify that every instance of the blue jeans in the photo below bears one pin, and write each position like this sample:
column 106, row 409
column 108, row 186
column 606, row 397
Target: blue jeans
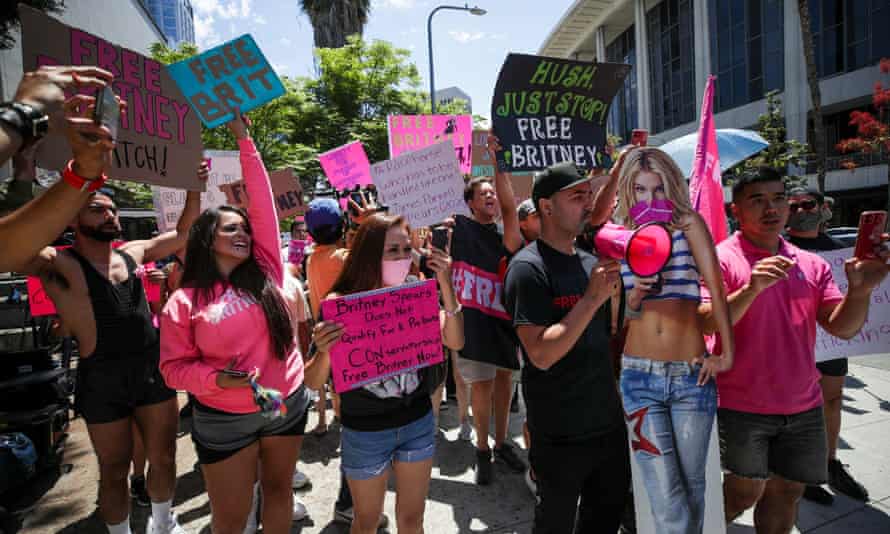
column 670, row 418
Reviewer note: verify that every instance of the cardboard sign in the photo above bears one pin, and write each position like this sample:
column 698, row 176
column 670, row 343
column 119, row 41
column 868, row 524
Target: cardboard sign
column 346, row 166
column 549, row 110
column 159, row 137
column 387, row 332
column 225, row 168
column 235, row 75
column 424, row 186
column 412, row 132
column 874, row 338
column 483, row 165
column 286, row 190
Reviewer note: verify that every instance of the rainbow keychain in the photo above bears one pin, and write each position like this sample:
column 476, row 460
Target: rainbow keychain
column 270, row 400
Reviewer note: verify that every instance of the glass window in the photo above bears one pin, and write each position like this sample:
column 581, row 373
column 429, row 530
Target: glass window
column 623, row 114
column 849, row 34
column 671, row 63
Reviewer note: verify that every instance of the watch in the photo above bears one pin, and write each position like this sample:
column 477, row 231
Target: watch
column 30, row 123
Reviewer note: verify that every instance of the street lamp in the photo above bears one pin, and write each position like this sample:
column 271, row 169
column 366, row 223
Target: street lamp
column 475, row 10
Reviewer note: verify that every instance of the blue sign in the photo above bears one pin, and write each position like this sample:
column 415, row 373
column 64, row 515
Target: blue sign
column 234, row 75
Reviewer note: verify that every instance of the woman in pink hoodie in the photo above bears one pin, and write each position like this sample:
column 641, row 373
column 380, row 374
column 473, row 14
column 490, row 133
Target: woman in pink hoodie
column 227, row 336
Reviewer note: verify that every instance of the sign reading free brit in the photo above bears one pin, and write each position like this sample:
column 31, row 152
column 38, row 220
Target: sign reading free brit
column 386, row 332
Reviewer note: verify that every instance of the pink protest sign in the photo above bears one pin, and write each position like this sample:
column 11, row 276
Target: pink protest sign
column 411, row 132
column 346, row 166
column 295, row 251
column 387, row 332
column 152, row 289
column 38, row 301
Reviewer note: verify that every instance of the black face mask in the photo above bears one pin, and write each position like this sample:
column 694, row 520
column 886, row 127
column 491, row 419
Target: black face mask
column 105, row 236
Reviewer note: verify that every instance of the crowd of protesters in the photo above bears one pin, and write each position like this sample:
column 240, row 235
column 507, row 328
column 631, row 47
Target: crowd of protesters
column 242, row 331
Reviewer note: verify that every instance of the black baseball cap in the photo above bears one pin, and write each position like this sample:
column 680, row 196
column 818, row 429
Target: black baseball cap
column 555, row 178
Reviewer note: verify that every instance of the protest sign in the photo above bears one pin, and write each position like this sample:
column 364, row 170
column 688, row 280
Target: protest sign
column 424, row 186
column 483, row 165
column 38, row 301
column 412, row 132
column 233, row 75
column 296, row 249
column 286, row 190
column 874, row 338
column 386, row 332
column 346, row 166
column 548, row 110
column 225, row 168
column 159, row 137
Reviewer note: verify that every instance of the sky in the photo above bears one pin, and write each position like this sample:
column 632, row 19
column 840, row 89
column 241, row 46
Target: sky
column 468, row 50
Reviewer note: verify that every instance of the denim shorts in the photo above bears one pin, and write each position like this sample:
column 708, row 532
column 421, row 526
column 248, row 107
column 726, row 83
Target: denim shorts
column 365, row 455
column 793, row 447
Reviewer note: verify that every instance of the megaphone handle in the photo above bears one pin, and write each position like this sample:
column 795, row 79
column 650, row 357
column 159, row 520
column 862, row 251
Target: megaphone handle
column 657, row 286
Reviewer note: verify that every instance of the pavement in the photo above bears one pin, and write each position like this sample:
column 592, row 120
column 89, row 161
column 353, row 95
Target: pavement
column 455, row 504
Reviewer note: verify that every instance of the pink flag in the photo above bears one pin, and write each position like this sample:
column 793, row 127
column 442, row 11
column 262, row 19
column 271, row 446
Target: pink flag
column 705, row 186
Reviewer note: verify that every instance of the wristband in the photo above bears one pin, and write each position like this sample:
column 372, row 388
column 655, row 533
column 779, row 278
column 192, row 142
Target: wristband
column 455, row 312
column 79, row 182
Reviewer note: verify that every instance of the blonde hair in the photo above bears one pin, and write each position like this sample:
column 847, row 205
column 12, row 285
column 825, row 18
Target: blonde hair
column 656, row 161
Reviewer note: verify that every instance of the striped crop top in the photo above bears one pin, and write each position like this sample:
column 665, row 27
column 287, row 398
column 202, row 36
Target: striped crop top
column 680, row 276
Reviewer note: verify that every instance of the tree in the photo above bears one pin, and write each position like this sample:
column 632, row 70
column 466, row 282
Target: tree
column 9, row 16
column 809, row 52
column 873, row 133
column 781, row 152
column 333, row 21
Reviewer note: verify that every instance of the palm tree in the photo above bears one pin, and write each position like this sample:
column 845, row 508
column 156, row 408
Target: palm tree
column 803, row 7
column 335, row 20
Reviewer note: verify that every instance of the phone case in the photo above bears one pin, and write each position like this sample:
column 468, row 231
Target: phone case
column 871, row 226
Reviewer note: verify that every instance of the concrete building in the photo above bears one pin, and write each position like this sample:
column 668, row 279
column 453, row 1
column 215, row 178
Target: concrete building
column 450, row 94
column 175, row 18
column 753, row 47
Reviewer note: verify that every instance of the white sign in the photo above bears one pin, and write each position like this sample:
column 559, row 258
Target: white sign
column 225, row 167
column 425, row 186
column 874, row 338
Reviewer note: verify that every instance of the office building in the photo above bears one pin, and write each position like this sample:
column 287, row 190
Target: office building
column 450, row 94
column 175, row 18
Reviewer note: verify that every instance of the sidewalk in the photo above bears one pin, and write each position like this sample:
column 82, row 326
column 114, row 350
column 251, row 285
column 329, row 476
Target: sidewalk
column 456, row 504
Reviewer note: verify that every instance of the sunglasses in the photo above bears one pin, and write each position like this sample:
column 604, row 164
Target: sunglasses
column 804, row 204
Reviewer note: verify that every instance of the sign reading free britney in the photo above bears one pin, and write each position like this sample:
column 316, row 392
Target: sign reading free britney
column 159, row 137
column 549, row 110
column 386, row 332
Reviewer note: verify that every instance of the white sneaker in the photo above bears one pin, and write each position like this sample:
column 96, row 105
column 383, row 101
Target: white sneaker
column 300, row 511
column 300, row 480
column 466, row 432
column 172, row 527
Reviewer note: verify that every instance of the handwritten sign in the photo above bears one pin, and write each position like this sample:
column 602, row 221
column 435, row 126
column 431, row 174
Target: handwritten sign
column 346, row 166
column 225, row 168
column 412, row 132
column 286, row 190
column 296, row 249
column 483, row 165
column 159, row 137
column 424, row 186
column 235, row 74
column 387, row 332
column 874, row 338
column 549, row 110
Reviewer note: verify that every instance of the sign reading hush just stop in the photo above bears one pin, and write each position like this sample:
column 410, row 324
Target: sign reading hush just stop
column 233, row 75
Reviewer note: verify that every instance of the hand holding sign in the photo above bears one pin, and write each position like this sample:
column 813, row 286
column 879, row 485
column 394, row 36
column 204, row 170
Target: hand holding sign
column 44, row 89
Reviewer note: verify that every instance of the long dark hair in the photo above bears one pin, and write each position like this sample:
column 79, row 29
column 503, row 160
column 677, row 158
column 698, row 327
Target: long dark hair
column 363, row 269
column 202, row 273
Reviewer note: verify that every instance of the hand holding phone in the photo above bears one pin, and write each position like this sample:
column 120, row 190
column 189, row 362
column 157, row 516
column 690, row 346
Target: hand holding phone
column 871, row 227
column 439, row 238
column 107, row 112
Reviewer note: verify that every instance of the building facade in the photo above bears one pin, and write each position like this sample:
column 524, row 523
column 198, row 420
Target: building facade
column 752, row 47
column 450, row 94
column 175, row 18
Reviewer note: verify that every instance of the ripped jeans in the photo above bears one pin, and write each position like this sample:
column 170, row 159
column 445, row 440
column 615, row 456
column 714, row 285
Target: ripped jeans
column 669, row 419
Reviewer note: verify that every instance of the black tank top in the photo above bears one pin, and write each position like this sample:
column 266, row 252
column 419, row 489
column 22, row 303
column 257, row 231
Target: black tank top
column 123, row 321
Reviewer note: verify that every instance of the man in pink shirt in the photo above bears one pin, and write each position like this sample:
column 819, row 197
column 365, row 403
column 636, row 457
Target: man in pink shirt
column 772, row 431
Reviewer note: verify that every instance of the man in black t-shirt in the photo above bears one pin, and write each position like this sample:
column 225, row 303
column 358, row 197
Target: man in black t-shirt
column 808, row 213
column 555, row 295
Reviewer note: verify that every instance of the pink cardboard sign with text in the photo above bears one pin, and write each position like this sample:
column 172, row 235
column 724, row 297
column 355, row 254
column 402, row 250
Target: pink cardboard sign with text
column 386, row 332
column 411, row 132
column 346, row 166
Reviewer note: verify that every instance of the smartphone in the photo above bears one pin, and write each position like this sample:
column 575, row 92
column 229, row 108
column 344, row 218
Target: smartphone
column 639, row 137
column 234, row 372
column 107, row 111
column 439, row 237
column 871, row 226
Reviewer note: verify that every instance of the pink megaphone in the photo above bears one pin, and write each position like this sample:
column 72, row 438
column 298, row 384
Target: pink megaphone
column 646, row 249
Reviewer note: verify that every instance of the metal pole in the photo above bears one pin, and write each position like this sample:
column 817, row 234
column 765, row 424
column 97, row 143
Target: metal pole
column 429, row 35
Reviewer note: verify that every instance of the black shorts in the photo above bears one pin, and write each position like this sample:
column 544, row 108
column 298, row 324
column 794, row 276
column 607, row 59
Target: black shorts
column 836, row 367
column 217, row 435
column 110, row 388
column 792, row 446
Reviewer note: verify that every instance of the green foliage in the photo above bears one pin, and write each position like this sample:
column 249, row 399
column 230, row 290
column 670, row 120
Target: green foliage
column 781, row 151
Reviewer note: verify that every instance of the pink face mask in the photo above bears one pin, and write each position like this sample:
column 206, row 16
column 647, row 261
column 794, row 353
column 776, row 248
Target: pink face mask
column 395, row 271
column 643, row 212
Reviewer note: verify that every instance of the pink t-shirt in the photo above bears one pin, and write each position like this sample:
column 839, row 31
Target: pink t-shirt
column 197, row 342
column 774, row 370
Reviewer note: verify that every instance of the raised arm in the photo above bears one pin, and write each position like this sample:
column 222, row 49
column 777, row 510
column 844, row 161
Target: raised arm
column 507, row 201
column 604, row 201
